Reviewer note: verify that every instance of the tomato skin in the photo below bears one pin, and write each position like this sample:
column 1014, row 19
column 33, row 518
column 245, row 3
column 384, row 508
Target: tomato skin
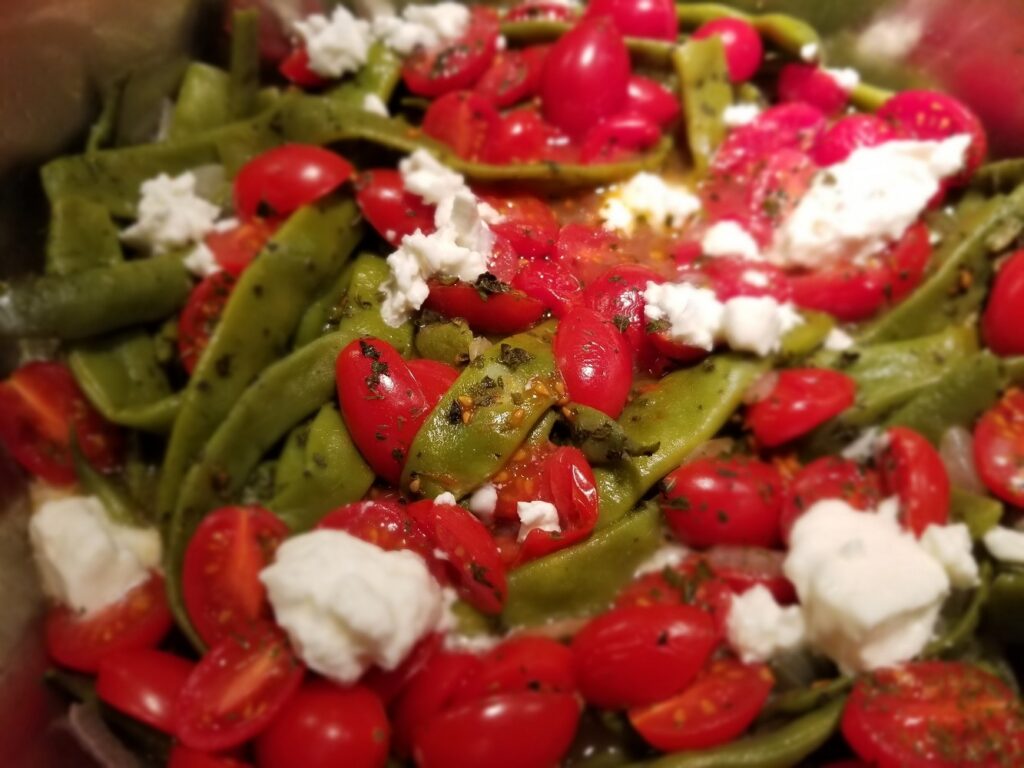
column 511, row 730
column 286, row 178
column 139, row 620
column 811, row 85
column 183, row 757
column 380, row 398
column 999, row 448
column 519, row 137
column 514, row 75
column 734, row 501
column 528, row 224
column 718, row 707
column 221, row 588
column 200, row 316
column 550, row 284
column 523, row 663
column 1000, row 323
column 587, row 251
column 745, row 567
column 455, row 65
column 235, row 248
column 504, row 313
column 618, row 296
column 913, row 470
column 236, row 690
column 638, row 18
column 430, row 692
column 435, row 377
column 463, row 120
column 849, row 293
column 730, row 277
column 652, row 100
column 829, row 477
column 633, row 656
column 934, row 714
column 144, row 684
column 534, row 10
column 594, row 360
column 617, row 137
column 743, row 47
column 295, row 68
column 849, row 133
column 391, row 210
column 324, row 725
column 585, row 77
column 802, row 399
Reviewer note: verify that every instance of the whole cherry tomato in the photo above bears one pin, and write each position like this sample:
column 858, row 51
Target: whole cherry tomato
column 455, row 65
column 594, row 360
column 284, row 179
column 617, row 137
column 830, row 477
column 435, row 377
column 295, row 68
column 540, row 10
column 463, row 120
column 812, row 85
column 743, row 47
column 520, row 136
column 638, row 18
column 999, row 448
column 802, row 399
column 391, row 210
column 144, row 684
column 913, row 470
column 493, row 307
column 1000, row 323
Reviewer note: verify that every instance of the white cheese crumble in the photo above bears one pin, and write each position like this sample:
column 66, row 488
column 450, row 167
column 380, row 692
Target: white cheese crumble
column 537, row 516
column 201, row 262
column 760, row 629
column 740, row 114
column 336, row 45
column 1005, row 544
column 809, row 52
column 426, row 26
column 87, row 561
column 347, row 604
column 757, row 324
column 446, row 499
column 838, row 340
column 952, row 548
column 866, row 446
column 170, row 214
column 855, row 208
column 846, row 78
column 666, row 556
column 484, row 502
column 647, row 197
column 375, row 105
column 727, row 238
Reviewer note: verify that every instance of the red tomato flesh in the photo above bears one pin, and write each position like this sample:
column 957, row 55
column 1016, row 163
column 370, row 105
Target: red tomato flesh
column 455, row 65
column 802, row 399
column 144, row 684
column 999, row 448
column 283, row 179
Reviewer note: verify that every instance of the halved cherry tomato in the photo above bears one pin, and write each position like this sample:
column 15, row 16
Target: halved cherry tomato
column 504, row 311
column 510, row 730
column 802, row 399
column 520, row 136
column 594, row 360
column 463, row 120
column 934, row 714
column 618, row 296
column 40, row 405
column 913, row 470
column 295, row 68
column 390, row 208
column 514, row 75
column 1000, row 323
column 389, row 684
column 907, row 260
column 585, row 77
column 430, row 692
column 569, row 484
column 639, row 655
column 200, row 316
column 999, row 448
column 221, row 588
column 849, row 292
column 435, row 377
column 691, row 582
column 537, row 10
column 138, row 620
column 652, row 100
column 551, row 284
column 382, row 403
column 144, row 684
column 719, row 706
column 617, row 137
column 849, row 133
column 237, row 689
column 776, row 190
column 587, row 251
column 734, row 501
column 524, row 663
column 324, row 725
column 235, row 248
column 470, row 553
column 743, row 47
column 528, row 224
column 183, row 757
column 745, row 567
column 731, row 277
column 455, row 65
column 830, row 477
column 285, row 178
column 812, row 85
column 638, row 18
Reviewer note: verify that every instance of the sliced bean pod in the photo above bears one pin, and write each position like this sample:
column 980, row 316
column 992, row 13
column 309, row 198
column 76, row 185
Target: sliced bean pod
column 706, row 93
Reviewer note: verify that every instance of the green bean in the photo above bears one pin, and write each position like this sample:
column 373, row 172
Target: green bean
column 331, row 473
column 600, row 437
column 959, row 632
column 356, row 288
column 805, row 338
column 115, row 500
column 706, row 93
column 800, row 701
column 684, row 409
column 484, row 417
column 540, row 436
column 244, row 82
column 258, row 322
column 202, row 101
column 93, row 301
column 698, row 14
column 979, row 513
column 1004, row 611
column 81, row 235
column 869, row 98
column 643, row 51
column 999, row 176
column 379, row 76
column 102, row 131
column 445, row 340
column 583, row 579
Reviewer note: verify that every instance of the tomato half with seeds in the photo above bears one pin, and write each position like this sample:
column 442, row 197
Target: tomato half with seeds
column 719, row 706
column 523, row 663
column 430, row 692
column 734, row 501
column 691, row 582
column 1000, row 323
column 221, row 587
column 934, row 714
column 594, row 360
column 520, row 136
column 830, row 477
column 457, row 64
column 490, row 307
column 633, row 656
column 235, row 248
column 200, row 316
column 999, row 448
column 295, row 69
column 470, row 554
column 551, row 284
column 283, row 179
column 802, row 399
column 237, row 689
column 391, row 210
column 463, row 120
column 568, row 483
column 514, row 75
column 382, row 403
column 618, row 296
column 913, row 470
column 140, row 619
column 527, row 223
column 144, row 684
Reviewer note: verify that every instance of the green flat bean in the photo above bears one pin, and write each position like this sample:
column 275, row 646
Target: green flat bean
column 485, row 416
column 1014, row 368
column 355, row 289
column 104, row 128
column 116, row 501
column 684, row 409
column 202, row 103
column 643, row 51
column 601, row 438
column 81, row 235
column 706, row 94
column 379, row 76
column 869, row 98
column 979, row 513
column 244, row 72
column 959, row 632
column 1004, row 611
column 999, row 176
column 583, row 579
column 446, row 341
column 800, row 701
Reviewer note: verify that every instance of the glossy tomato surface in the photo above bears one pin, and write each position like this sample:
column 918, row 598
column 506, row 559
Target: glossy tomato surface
column 802, row 399
column 1000, row 323
column 913, row 470
column 391, row 210
column 200, row 316
column 999, row 448
column 144, row 684
column 283, row 179
column 455, row 65
column 594, row 360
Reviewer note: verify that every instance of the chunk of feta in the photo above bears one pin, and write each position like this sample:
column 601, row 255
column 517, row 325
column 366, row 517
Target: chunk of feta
column 952, row 548
column 375, row 105
column 336, row 44
column 1005, row 544
column 446, row 499
column 846, row 78
column 866, row 445
column 727, row 238
column 736, row 115
column 757, row 324
column 666, row 556
column 347, row 605
column 426, row 26
column 170, row 214
column 694, row 315
column 809, row 52
column 649, row 198
column 484, row 502
column 201, row 262
column 760, row 629
column 87, row 561
column 537, row 516
column 838, row 340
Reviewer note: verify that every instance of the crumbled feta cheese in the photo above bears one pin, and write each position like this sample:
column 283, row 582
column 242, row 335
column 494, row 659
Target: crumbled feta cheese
column 484, row 502
column 201, row 262
column 1005, row 544
column 170, row 214
column 952, row 548
column 347, row 604
column 866, row 446
column 666, row 556
column 809, row 52
column 335, row 45
column 755, row 277
column 694, row 315
column 426, row 26
column 891, row 36
column 375, row 105
column 846, row 78
column 87, row 561
column 870, row 592
column 446, row 499
column 757, row 324
column 838, row 340
column 647, row 197
column 475, row 644
column 740, row 114
column 760, row 629
column 427, row 177
column 727, row 238
column 537, row 516
column 857, row 207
